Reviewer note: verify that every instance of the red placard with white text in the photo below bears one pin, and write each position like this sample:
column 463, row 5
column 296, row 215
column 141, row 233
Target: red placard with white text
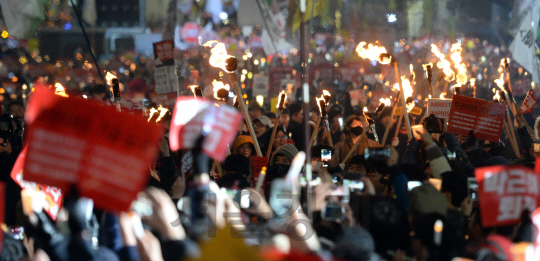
column 528, row 103
column 484, row 118
column 53, row 195
column 504, row 192
column 102, row 152
column 194, row 117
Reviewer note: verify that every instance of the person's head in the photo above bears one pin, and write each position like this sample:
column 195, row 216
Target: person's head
column 281, row 138
column 424, row 245
column 354, row 125
column 284, row 118
column 261, row 124
column 355, row 243
column 377, row 169
column 537, row 128
column 255, row 110
column 454, row 188
column 235, row 181
column 271, row 116
column 296, row 112
column 334, row 122
column 100, row 92
column 16, row 109
column 283, row 155
column 358, row 165
column 236, row 163
column 244, row 145
column 384, row 117
column 500, row 151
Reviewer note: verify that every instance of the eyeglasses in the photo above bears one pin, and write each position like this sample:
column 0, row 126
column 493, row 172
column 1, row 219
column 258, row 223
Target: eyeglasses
column 282, row 137
column 257, row 125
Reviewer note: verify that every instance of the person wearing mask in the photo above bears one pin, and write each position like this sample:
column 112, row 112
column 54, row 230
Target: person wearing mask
column 244, row 145
column 283, row 155
column 354, row 125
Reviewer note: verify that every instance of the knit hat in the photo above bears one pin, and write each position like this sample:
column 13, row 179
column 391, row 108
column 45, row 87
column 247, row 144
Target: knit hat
column 497, row 160
column 288, row 150
column 264, row 121
column 242, row 139
column 425, row 199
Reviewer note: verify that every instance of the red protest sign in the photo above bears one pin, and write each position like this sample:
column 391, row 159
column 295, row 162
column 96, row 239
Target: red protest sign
column 504, row 192
column 483, row 117
column 76, row 142
column 193, row 118
column 164, row 50
column 257, row 163
column 536, row 231
column 528, row 103
column 53, row 195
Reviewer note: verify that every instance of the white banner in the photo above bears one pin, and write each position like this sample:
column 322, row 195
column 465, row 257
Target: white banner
column 440, row 108
column 523, row 47
column 260, row 86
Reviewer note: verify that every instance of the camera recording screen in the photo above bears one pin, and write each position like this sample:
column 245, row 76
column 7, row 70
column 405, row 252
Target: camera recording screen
column 326, row 154
column 473, row 189
column 368, row 152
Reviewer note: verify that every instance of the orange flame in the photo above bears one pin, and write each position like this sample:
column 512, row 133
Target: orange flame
column 443, row 64
column 500, row 82
column 59, row 90
column 318, row 100
column 497, row 96
column 442, row 95
column 281, row 96
column 109, row 77
column 386, row 101
column 372, row 52
column 365, row 109
column 162, row 112
column 219, row 85
column 461, row 76
column 472, row 81
column 411, row 69
column 219, row 54
column 407, row 88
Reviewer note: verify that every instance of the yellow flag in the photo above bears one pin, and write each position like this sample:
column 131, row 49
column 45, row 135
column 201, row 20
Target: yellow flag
column 316, row 5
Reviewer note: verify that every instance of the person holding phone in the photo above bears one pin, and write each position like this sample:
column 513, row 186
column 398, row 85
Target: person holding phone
column 354, row 127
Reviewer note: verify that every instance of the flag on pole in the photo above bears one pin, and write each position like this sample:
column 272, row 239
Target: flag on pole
column 523, row 47
column 317, row 5
column 23, row 17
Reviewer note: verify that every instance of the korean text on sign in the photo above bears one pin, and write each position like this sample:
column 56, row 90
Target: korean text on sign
column 483, row 117
column 105, row 154
column 193, row 118
column 505, row 192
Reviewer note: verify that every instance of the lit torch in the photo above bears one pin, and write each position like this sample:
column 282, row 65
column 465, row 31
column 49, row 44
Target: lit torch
column 377, row 53
column 371, row 121
column 160, row 112
column 443, row 64
column 429, row 75
column 109, row 77
column 59, row 90
column 282, row 98
column 221, row 91
column 197, row 92
column 220, row 59
column 116, row 93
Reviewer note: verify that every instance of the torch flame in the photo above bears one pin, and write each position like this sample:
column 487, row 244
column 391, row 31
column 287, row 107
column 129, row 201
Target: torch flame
column 192, row 87
column 282, row 98
column 503, row 64
column 442, row 95
column 162, row 112
column 461, row 77
column 411, row 69
column 109, row 77
column 386, row 101
column 472, row 81
column 219, row 54
column 497, row 97
column 322, row 105
column 327, row 96
column 372, row 52
column 443, row 64
column 365, row 109
column 59, row 90
column 500, row 82
column 217, row 86
column 407, row 89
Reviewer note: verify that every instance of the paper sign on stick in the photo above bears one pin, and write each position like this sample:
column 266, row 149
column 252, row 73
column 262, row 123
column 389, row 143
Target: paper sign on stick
column 105, row 154
column 528, row 103
column 193, row 118
column 504, row 192
column 440, row 108
column 483, row 117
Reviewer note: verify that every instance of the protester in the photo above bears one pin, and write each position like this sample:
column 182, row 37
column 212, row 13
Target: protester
column 244, row 145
